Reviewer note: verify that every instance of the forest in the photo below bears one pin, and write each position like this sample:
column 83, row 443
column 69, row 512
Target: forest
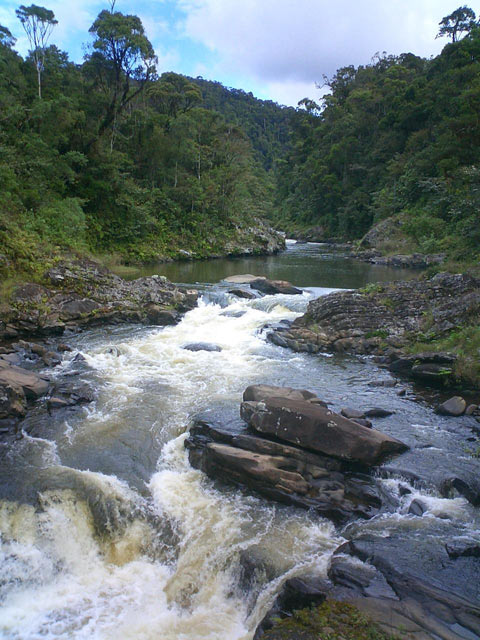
column 399, row 137
column 110, row 157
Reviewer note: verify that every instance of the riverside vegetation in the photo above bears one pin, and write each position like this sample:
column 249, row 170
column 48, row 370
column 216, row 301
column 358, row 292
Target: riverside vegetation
column 109, row 159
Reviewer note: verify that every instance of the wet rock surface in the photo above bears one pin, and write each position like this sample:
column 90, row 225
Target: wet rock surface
column 202, row 346
column 414, row 586
column 317, row 428
column 272, row 287
column 288, row 469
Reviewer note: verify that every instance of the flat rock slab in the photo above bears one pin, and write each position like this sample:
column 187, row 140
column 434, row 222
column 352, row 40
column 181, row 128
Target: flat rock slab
column 245, row 278
column 317, row 428
column 33, row 385
column 439, row 593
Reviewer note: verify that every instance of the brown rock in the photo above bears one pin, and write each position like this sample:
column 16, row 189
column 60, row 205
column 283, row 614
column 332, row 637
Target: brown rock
column 258, row 392
column 33, row 385
column 453, row 407
column 317, row 428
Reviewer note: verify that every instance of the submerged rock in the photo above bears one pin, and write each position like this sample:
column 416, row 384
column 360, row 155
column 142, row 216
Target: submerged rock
column 242, row 293
column 201, row 346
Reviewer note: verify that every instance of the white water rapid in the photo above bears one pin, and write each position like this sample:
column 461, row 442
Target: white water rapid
column 109, row 534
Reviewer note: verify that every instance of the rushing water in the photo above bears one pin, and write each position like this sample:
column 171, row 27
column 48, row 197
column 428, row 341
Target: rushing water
column 106, row 530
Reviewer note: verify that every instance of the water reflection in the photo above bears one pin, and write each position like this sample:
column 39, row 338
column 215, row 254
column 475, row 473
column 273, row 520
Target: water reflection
column 305, row 265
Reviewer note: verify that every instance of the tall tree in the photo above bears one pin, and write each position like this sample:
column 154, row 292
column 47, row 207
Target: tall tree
column 462, row 20
column 38, row 23
column 125, row 59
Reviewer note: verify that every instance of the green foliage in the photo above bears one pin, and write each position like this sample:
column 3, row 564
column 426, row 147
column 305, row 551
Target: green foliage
column 38, row 23
column 113, row 160
column 462, row 20
column 399, row 136
column 465, row 342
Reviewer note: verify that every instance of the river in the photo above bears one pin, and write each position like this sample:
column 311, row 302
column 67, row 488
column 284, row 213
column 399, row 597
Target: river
column 106, row 530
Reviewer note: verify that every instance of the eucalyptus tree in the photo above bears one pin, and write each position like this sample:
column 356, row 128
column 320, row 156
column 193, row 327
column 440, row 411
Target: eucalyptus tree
column 123, row 62
column 38, row 23
column 462, row 20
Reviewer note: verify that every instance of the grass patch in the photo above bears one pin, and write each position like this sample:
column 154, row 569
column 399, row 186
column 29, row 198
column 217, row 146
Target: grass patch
column 465, row 342
column 330, row 621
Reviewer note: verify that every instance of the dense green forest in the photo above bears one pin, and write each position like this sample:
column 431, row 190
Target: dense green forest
column 399, row 137
column 109, row 157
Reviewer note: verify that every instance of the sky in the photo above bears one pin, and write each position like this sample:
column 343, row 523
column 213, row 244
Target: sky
column 277, row 49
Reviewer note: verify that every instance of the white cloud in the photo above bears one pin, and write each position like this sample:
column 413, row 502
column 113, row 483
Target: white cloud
column 300, row 40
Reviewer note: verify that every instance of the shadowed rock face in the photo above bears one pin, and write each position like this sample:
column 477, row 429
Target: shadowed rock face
column 411, row 585
column 283, row 473
column 32, row 385
column 317, row 428
column 273, row 287
column 302, row 454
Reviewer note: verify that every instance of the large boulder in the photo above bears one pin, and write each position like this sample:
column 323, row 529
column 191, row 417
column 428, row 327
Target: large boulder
column 282, row 472
column 452, row 407
column 410, row 585
column 32, row 384
column 317, row 428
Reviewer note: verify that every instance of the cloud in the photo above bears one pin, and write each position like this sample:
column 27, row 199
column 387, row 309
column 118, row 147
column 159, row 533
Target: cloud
column 298, row 41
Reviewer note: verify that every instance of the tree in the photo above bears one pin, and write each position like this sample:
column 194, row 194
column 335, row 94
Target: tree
column 124, row 57
column 462, row 20
column 6, row 38
column 175, row 94
column 38, row 23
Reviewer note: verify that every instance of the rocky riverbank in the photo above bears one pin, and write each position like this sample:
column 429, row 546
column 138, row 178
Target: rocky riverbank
column 293, row 449
column 74, row 295
column 393, row 320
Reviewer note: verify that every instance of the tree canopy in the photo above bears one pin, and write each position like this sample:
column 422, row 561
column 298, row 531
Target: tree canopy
column 462, row 20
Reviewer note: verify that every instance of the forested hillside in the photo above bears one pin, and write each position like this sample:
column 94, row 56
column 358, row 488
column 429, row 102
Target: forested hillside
column 399, row 137
column 107, row 156
column 266, row 123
